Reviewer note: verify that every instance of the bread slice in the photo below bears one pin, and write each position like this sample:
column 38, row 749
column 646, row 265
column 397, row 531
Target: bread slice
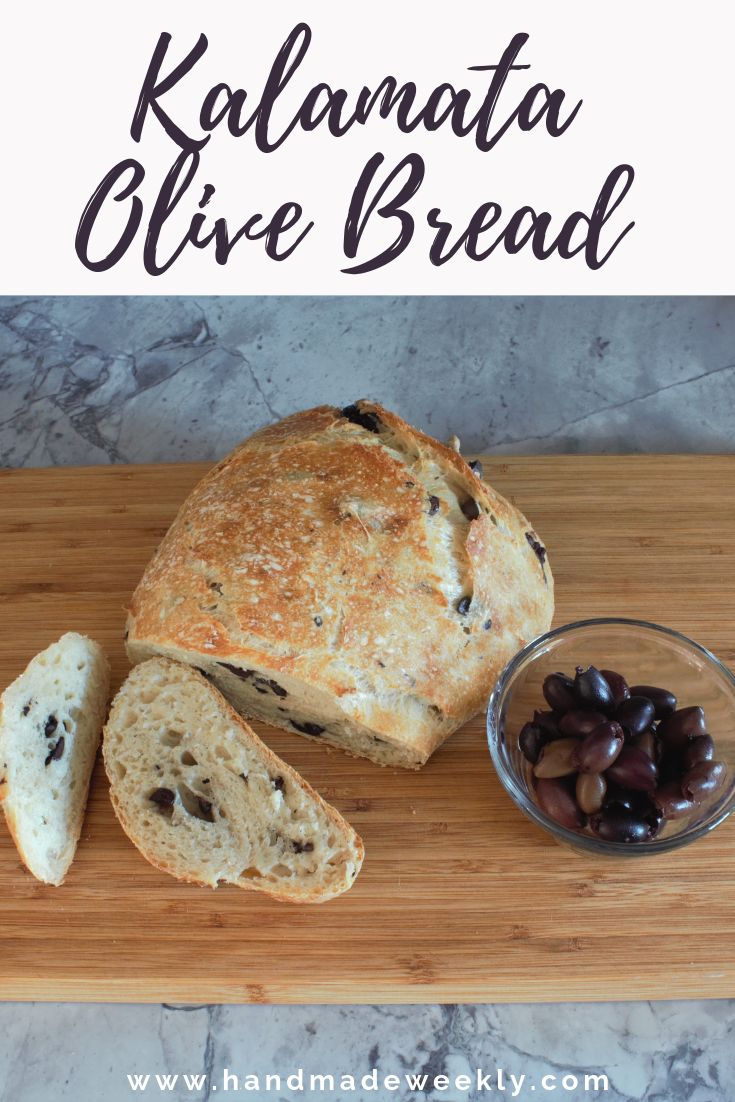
column 204, row 799
column 50, row 724
column 347, row 577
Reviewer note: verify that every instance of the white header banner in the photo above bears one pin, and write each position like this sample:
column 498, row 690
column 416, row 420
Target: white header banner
column 175, row 147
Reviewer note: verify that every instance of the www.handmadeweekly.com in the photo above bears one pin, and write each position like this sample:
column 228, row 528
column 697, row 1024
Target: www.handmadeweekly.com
column 498, row 1081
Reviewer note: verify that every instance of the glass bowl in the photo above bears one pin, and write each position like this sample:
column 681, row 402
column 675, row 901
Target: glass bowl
column 645, row 654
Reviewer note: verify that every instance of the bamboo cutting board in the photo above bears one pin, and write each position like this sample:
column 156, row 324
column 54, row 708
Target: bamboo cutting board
column 460, row 899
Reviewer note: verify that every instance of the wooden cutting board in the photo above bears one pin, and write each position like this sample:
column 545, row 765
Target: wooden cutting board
column 460, row 899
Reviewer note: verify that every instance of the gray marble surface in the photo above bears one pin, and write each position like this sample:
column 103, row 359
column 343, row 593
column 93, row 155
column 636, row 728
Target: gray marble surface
column 95, row 380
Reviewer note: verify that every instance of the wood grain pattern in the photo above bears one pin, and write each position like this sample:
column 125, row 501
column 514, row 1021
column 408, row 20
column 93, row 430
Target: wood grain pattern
column 460, row 899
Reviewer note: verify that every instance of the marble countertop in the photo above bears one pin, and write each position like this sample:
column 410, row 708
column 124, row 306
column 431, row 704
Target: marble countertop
column 115, row 380
column 125, row 380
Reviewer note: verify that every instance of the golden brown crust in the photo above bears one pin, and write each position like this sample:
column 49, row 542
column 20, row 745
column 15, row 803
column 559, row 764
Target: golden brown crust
column 312, row 551
column 14, row 833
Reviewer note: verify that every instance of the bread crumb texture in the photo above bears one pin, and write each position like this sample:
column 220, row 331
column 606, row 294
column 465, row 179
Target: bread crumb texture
column 50, row 725
column 204, row 799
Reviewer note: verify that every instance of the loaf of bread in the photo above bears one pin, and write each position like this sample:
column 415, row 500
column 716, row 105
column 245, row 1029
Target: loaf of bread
column 50, row 725
column 342, row 575
column 204, row 799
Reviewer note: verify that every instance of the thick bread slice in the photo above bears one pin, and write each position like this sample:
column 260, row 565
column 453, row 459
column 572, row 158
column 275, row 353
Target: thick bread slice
column 343, row 575
column 50, row 724
column 204, row 799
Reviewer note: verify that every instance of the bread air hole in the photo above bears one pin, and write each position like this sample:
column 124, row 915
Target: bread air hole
column 188, row 759
column 282, row 871
column 120, row 770
column 251, row 874
column 195, row 805
column 171, row 738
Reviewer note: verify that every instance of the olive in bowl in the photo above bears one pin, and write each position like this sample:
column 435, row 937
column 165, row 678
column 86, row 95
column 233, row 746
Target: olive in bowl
column 616, row 736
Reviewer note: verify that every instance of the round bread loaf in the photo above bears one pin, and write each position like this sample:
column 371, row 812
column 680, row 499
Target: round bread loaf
column 342, row 575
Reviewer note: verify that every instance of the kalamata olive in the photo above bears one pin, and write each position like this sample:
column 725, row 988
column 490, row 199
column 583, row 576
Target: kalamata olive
column 671, row 803
column 558, row 690
column 669, row 763
column 638, row 803
column 556, row 758
column 623, row 759
column 635, row 714
column 592, row 690
column 621, row 797
column 633, row 769
column 615, row 824
column 701, row 748
column 599, row 750
column 164, row 797
column 679, row 727
column 579, row 724
column 663, row 701
column 559, row 804
column 590, row 791
column 618, row 686
column 703, row 779
column 530, row 741
column 654, row 818
column 548, row 722
column 648, row 744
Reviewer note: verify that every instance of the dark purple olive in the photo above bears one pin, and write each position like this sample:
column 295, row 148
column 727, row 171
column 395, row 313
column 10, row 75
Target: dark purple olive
column 470, row 508
column 559, row 804
column 164, row 797
column 558, row 690
column 618, row 686
column 599, row 750
column 590, row 791
column 592, row 690
column 701, row 748
column 679, row 727
column 621, row 797
column 663, row 701
column 530, row 741
column 637, row 802
column 579, row 724
column 548, row 722
column 654, row 817
column 670, row 767
column 648, row 744
column 635, row 714
column 557, row 758
column 704, row 779
column 633, row 769
column 615, row 824
column 671, row 803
